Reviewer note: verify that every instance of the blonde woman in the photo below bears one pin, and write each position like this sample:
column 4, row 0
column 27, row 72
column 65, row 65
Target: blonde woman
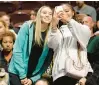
column 31, row 55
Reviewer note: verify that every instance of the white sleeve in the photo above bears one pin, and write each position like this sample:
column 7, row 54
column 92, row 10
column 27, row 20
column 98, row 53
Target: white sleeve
column 81, row 32
column 90, row 68
column 54, row 39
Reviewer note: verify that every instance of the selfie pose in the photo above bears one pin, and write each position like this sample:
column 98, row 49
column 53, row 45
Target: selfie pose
column 69, row 44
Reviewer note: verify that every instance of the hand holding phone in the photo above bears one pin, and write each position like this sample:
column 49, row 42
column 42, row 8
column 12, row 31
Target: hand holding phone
column 59, row 9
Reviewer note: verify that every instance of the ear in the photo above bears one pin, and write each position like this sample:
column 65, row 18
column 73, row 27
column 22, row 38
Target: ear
column 73, row 13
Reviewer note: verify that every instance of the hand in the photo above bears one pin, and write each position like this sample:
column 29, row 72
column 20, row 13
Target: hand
column 82, row 81
column 24, row 81
column 29, row 82
column 65, row 17
column 55, row 20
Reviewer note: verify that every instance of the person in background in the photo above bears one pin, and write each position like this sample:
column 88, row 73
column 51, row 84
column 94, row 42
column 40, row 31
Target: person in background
column 6, row 18
column 7, row 43
column 42, row 81
column 93, row 52
column 83, row 8
column 87, row 20
column 68, row 41
column 3, row 29
column 33, row 14
column 79, row 17
column 31, row 55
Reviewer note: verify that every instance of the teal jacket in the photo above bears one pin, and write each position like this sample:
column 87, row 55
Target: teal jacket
column 22, row 48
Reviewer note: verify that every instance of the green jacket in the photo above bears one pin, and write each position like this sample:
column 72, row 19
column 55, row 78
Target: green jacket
column 22, row 48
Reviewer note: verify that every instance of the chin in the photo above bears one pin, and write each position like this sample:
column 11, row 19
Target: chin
column 4, row 78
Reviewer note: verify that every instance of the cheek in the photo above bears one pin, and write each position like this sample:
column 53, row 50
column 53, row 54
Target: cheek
column 11, row 45
column 41, row 18
column 2, row 30
column 3, row 45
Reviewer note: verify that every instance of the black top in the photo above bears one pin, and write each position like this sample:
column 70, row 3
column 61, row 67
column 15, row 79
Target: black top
column 3, row 62
column 35, row 54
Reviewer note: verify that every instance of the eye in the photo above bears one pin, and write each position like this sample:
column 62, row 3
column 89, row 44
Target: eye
column 10, row 42
column 44, row 12
column 66, row 11
column 50, row 13
column 4, row 41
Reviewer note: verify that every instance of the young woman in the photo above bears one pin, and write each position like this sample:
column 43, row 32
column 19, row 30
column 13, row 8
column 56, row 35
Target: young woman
column 70, row 40
column 31, row 55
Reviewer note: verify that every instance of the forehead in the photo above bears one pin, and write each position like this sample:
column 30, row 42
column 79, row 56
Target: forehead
column 66, row 7
column 46, row 9
column 87, row 19
column 7, row 38
column 5, row 16
column 79, row 1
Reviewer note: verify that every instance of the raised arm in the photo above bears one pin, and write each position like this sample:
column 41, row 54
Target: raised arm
column 81, row 32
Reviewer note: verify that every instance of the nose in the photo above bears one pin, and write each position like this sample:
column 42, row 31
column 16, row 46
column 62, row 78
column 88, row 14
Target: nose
column 47, row 15
column 8, row 44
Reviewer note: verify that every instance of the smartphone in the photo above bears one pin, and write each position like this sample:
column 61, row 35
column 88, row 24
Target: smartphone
column 59, row 9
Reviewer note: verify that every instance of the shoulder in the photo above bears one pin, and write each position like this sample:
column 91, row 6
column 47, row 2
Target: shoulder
column 75, row 7
column 97, row 37
column 26, row 25
column 90, row 7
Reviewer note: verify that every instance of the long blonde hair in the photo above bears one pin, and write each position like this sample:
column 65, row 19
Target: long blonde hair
column 38, row 37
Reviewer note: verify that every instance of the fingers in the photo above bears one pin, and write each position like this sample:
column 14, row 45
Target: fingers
column 23, row 81
column 29, row 82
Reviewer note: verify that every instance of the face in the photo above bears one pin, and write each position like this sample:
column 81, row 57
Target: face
column 79, row 3
column 32, row 15
column 7, row 43
column 41, row 83
column 46, row 15
column 6, row 19
column 67, row 11
column 88, row 21
column 2, row 29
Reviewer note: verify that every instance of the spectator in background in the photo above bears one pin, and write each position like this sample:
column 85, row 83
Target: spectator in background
column 93, row 53
column 31, row 55
column 33, row 14
column 42, row 81
column 83, row 8
column 87, row 20
column 3, row 29
column 79, row 17
column 7, row 43
column 5, row 17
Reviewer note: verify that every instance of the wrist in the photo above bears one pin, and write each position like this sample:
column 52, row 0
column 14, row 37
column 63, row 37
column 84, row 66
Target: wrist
column 54, row 29
column 31, row 81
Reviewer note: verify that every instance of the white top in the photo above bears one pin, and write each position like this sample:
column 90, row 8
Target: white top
column 64, row 43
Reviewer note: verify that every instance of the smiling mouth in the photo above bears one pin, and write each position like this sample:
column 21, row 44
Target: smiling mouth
column 2, row 76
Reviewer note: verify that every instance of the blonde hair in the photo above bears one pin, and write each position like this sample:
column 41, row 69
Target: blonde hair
column 5, row 25
column 38, row 37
